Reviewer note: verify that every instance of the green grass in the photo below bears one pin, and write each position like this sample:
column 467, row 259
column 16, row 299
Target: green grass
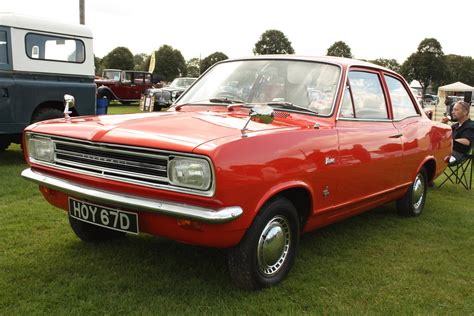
column 374, row 263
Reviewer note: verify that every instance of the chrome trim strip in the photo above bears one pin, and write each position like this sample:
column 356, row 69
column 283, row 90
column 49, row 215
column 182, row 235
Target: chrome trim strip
column 129, row 202
column 101, row 147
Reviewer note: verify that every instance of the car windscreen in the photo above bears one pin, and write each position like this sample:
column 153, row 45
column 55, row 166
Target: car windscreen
column 309, row 85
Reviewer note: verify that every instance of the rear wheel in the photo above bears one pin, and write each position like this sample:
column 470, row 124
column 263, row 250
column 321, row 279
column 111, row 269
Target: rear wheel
column 92, row 233
column 414, row 199
column 266, row 254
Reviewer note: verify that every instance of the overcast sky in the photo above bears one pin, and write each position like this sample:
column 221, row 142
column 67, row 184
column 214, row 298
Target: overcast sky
column 373, row 29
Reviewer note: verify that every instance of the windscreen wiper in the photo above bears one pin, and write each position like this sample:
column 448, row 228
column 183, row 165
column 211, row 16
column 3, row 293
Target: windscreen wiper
column 226, row 100
column 289, row 105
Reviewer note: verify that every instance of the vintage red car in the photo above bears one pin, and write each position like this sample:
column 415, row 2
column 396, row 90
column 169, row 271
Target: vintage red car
column 125, row 86
column 256, row 152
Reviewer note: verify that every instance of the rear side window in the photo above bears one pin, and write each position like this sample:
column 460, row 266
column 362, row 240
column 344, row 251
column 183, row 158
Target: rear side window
column 367, row 96
column 3, row 48
column 402, row 104
column 48, row 47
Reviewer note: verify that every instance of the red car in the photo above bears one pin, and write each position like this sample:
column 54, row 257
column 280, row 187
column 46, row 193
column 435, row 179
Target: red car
column 256, row 152
column 125, row 86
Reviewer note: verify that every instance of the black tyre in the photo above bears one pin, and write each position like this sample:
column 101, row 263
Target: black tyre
column 266, row 254
column 92, row 233
column 4, row 142
column 414, row 199
column 47, row 114
column 104, row 93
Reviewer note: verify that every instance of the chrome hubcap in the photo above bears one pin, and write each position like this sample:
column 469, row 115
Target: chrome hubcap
column 418, row 191
column 273, row 245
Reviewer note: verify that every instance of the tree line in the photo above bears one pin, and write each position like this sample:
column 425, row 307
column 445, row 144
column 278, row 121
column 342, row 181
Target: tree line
column 428, row 64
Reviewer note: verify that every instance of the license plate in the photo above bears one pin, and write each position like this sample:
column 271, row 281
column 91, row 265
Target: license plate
column 103, row 216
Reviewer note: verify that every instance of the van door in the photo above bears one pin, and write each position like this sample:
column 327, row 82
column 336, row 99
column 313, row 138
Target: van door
column 6, row 80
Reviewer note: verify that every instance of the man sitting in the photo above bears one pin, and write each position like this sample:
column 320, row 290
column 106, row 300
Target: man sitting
column 463, row 131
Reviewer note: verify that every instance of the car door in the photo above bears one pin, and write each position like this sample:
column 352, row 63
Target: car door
column 408, row 120
column 6, row 78
column 370, row 147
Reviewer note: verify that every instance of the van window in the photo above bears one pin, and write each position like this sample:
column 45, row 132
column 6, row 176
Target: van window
column 3, row 48
column 48, row 47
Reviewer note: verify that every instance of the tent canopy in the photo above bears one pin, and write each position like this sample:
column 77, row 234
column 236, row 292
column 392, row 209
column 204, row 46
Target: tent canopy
column 456, row 87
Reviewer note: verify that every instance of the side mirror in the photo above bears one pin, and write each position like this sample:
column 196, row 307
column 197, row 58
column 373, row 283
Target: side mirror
column 69, row 103
column 259, row 113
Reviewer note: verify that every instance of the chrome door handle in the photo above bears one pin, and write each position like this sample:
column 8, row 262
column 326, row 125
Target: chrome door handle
column 396, row 136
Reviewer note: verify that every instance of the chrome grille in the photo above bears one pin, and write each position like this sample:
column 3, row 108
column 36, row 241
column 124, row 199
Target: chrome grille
column 113, row 162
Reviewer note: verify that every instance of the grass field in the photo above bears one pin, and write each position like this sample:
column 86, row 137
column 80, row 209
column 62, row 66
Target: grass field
column 374, row 263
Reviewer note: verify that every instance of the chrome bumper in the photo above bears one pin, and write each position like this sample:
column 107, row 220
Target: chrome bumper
column 201, row 214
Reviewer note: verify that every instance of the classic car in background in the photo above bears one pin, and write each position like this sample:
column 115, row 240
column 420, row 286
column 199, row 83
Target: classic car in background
column 154, row 99
column 125, row 86
column 254, row 153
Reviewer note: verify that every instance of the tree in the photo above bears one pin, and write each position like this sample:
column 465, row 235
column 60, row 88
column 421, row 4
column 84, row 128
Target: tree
column 459, row 68
column 192, row 67
column 98, row 65
column 339, row 49
column 169, row 64
column 427, row 64
column 140, row 62
column 387, row 63
column 119, row 58
column 211, row 60
column 273, row 42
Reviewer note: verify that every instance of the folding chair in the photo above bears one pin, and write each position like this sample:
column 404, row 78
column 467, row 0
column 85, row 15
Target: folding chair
column 460, row 172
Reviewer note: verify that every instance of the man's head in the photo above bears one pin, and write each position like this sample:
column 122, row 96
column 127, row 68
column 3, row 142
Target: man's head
column 460, row 112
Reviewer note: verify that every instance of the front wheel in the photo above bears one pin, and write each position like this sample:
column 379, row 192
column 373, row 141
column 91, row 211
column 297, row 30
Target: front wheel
column 92, row 233
column 414, row 199
column 266, row 253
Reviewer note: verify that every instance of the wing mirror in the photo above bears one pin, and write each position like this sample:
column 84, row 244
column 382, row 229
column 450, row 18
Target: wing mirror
column 69, row 103
column 259, row 113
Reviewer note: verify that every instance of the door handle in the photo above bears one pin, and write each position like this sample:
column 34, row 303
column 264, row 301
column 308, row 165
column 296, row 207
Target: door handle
column 396, row 136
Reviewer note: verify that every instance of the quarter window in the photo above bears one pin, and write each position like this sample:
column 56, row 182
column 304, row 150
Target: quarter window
column 402, row 104
column 47, row 47
column 3, row 48
column 367, row 95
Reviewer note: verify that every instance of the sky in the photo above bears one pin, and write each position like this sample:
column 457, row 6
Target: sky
column 373, row 29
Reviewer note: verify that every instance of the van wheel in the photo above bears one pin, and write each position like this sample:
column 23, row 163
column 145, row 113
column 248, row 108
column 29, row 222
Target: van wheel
column 5, row 141
column 47, row 114
column 414, row 199
column 266, row 253
column 92, row 233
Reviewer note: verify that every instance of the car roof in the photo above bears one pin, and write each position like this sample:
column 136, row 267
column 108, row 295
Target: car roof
column 40, row 24
column 344, row 62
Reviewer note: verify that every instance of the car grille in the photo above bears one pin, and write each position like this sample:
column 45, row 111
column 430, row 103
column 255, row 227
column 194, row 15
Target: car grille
column 114, row 162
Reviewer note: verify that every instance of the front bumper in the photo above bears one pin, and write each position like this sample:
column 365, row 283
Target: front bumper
column 185, row 211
